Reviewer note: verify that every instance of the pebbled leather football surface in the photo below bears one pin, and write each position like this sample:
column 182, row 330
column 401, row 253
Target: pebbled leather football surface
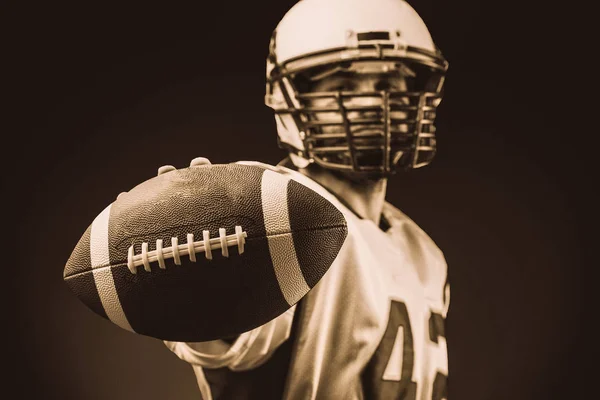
column 147, row 263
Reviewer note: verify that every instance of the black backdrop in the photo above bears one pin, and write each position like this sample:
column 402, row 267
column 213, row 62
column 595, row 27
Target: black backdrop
column 105, row 96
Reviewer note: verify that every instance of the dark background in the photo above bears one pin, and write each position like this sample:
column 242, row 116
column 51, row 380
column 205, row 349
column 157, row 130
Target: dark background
column 102, row 97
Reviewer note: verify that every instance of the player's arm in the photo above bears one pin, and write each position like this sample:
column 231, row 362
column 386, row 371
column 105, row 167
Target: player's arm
column 246, row 351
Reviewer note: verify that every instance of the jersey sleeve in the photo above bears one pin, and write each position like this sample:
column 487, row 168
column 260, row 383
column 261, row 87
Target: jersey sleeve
column 249, row 350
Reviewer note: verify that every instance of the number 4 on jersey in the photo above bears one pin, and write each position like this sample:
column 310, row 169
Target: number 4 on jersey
column 389, row 373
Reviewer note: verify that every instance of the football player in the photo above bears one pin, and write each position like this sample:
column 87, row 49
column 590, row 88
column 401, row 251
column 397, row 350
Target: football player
column 354, row 85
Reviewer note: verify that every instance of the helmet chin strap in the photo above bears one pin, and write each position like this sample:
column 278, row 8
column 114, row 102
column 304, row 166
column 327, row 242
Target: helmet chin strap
column 298, row 161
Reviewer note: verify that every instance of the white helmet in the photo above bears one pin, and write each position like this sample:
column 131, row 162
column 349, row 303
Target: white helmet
column 321, row 35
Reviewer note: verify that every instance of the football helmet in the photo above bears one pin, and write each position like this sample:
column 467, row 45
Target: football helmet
column 395, row 128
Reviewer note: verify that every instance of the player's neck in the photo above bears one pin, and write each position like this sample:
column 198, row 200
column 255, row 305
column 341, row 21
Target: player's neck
column 365, row 197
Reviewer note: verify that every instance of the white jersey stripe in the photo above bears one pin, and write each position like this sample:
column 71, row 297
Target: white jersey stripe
column 103, row 278
column 281, row 243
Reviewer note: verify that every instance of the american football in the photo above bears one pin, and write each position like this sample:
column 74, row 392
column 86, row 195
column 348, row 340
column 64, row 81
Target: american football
column 205, row 252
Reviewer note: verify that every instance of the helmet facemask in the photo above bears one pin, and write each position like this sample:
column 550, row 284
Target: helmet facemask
column 372, row 132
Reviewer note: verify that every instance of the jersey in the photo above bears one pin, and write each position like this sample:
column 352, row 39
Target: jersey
column 372, row 328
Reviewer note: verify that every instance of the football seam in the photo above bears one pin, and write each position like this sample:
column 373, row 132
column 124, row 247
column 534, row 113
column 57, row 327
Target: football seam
column 124, row 263
column 128, row 239
column 92, row 270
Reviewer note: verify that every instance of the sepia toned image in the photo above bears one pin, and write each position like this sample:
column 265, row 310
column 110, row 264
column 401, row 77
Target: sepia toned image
column 303, row 199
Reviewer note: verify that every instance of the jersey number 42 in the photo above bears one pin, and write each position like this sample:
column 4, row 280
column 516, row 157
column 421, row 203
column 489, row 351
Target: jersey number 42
column 389, row 373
